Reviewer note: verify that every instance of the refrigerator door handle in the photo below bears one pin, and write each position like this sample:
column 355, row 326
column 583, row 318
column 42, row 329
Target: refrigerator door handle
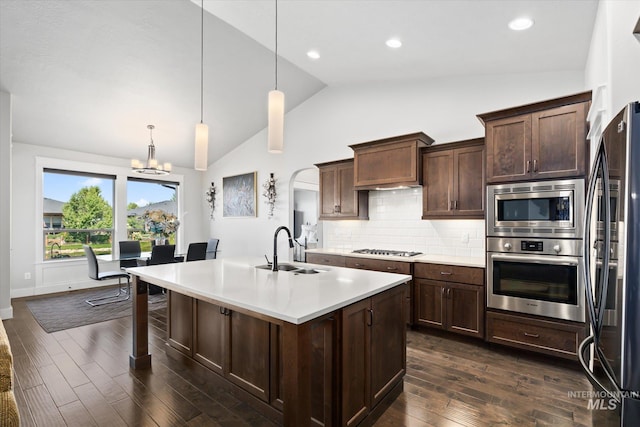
column 584, row 345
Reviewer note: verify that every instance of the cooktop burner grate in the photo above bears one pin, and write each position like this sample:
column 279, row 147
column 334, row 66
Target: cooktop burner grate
column 386, row 252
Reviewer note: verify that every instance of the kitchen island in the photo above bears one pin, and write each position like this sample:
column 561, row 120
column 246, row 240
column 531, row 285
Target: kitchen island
column 326, row 348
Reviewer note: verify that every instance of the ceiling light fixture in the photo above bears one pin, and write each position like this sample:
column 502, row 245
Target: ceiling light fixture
column 520, row 24
column 313, row 54
column 275, row 126
column 202, row 130
column 151, row 167
column 394, row 43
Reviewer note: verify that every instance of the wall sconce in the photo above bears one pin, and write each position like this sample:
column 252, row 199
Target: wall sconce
column 270, row 193
column 211, row 198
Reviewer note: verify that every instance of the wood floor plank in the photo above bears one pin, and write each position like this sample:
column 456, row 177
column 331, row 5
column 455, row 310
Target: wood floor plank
column 450, row 381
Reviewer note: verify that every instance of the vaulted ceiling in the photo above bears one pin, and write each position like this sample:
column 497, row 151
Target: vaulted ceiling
column 90, row 75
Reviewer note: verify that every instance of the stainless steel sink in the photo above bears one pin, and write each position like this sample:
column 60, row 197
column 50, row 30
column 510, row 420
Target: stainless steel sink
column 282, row 267
column 292, row 268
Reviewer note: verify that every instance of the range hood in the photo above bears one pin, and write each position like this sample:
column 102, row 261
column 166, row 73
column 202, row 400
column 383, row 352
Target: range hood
column 389, row 163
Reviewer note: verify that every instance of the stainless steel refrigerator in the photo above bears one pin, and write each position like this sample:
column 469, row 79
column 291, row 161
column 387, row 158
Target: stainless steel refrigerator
column 610, row 356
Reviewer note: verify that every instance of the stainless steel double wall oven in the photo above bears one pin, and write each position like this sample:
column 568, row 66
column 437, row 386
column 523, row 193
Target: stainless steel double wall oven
column 534, row 248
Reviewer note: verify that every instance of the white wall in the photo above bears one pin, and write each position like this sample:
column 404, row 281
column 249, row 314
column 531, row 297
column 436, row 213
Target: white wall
column 56, row 276
column 614, row 55
column 6, row 311
column 322, row 128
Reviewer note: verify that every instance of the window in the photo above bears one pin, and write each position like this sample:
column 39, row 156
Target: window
column 152, row 211
column 77, row 209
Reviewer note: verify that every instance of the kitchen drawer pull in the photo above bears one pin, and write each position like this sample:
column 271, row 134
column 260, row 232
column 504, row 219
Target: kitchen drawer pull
column 526, row 334
column 357, row 264
column 392, row 268
column 445, row 273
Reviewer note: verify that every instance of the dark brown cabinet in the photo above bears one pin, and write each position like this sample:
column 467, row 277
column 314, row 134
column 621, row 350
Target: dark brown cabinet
column 538, row 141
column 373, row 354
column 553, row 337
column 388, row 266
column 338, row 198
column 390, row 162
column 227, row 342
column 454, row 180
column 450, row 298
column 325, row 259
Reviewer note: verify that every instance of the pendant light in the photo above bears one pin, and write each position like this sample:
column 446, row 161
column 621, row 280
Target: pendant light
column 275, row 137
column 151, row 167
column 202, row 130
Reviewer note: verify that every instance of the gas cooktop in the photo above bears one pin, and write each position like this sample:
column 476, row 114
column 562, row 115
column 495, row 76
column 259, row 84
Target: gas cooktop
column 386, row 252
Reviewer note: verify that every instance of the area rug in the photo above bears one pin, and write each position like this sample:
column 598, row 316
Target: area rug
column 59, row 312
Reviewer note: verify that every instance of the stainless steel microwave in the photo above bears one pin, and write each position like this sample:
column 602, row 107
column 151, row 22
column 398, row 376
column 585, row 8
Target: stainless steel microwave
column 551, row 209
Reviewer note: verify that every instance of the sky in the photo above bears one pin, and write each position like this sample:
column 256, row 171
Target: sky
column 61, row 187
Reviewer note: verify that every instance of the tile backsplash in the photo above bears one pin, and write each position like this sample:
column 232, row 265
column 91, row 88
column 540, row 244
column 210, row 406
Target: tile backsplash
column 395, row 223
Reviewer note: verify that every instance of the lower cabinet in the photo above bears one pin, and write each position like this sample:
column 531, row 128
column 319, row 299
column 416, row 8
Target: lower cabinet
column 373, row 353
column 325, row 259
column 357, row 354
column 451, row 298
column 553, row 337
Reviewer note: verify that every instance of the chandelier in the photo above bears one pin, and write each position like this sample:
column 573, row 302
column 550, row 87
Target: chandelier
column 151, row 167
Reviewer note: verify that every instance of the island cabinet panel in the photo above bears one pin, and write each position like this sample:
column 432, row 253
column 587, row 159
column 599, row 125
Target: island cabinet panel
column 180, row 323
column 538, row 141
column 373, row 352
column 338, row 198
column 210, row 335
column 450, row 298
column 248, row 355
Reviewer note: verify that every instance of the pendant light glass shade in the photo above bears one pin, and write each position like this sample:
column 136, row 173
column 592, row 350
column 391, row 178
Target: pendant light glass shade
column 275, row 139
column 202, row 146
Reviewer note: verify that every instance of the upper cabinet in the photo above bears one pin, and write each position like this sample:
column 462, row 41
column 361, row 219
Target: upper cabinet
column 338, row 198
column 453, row 180
column 390, row 162
column 538, row 141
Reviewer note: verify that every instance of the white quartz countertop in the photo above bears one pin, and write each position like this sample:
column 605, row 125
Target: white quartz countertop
column 425, row 258
column 284, row 295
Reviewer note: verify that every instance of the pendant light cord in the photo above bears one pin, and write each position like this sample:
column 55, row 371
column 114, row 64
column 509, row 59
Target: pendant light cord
column 276, row 52
column 201, row 60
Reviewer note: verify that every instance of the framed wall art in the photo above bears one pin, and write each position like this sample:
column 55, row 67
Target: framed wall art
column 239, row 195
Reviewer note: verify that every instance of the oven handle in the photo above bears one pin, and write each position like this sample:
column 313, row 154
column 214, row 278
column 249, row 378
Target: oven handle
column 536, row 259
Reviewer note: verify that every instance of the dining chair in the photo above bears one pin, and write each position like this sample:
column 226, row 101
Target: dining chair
column 129, row 253
column 197, row 251
column 212, row 248
column 95, row 274
column 160, row 254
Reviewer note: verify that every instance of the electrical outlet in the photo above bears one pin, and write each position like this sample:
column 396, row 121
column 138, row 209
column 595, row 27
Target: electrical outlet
column 27, row 276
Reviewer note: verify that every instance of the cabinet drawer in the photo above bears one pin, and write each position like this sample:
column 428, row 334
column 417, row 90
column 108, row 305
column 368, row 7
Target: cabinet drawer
column 378, row 265
column 450, row 273
column 555, row 338
column 325, row 259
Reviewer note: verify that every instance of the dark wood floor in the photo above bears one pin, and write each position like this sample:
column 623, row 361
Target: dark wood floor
column 81, row 377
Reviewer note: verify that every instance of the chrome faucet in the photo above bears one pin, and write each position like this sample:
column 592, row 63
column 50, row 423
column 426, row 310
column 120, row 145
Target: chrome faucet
column 274, row 267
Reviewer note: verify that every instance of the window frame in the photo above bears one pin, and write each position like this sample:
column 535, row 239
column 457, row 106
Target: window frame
column 122, row 174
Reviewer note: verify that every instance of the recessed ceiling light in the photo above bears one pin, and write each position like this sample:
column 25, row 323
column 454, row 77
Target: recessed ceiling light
column 394, row 43
column 313, row 54
column 520, row 24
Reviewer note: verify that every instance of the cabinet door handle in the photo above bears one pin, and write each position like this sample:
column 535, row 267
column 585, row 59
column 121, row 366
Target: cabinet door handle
column 455, row 205
column 445, row 273
column 526, row 334
column 449, row 293
column 535, row 165
column 528, row 166
column 370, row 322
